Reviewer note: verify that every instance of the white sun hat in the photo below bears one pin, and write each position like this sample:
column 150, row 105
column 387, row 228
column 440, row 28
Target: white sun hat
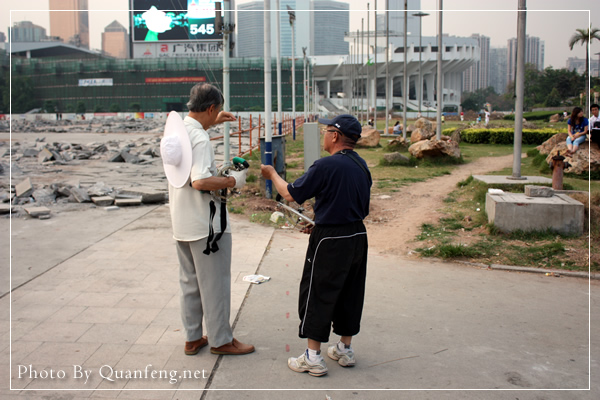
column 176, row 151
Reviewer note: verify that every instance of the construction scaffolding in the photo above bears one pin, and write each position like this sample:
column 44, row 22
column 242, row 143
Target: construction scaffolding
column 152, row 85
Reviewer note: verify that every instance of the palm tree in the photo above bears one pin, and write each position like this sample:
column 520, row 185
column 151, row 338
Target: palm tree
column 585, row 36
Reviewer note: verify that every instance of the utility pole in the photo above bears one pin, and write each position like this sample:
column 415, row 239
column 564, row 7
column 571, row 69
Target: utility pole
column 387, row 67
column 292, row 15
column 278, row 47
column 362, row 65
column 305, row 83
column 268, row 105
column 405, row 77
column 224, row 26
column 520, row 89
column 420, row 14
column 375, row 77
column 440, row 76
column 368, row 62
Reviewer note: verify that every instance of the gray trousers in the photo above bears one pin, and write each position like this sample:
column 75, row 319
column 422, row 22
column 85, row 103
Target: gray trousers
column 205, row 282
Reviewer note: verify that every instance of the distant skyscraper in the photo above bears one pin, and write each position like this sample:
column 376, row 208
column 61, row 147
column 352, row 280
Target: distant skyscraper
column 71, row 26
column 26, row 31
column 115, row 40
column 477, row 76
column 498, row 68
column 329, row 23
column 534, row 54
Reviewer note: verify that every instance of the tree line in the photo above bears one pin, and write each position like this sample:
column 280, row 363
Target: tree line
column 547, row 88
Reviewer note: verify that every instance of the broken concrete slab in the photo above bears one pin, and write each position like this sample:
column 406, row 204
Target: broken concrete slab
column 116, row 158
column 148, row 195
column 24, row 188
column 99, row 189
column 30, row 153
column 129, row 158
column 79, row 194
column 102, row 201
column 111, row 208
column 37, row 211
column 44, row 195
column 128, row 202
column 45, row 155
column 6, row 208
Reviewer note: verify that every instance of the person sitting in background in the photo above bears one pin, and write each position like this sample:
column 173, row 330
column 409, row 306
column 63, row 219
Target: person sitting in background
column 397, row 128
column 577, row 130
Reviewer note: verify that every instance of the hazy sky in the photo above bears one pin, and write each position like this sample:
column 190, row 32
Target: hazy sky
column 497, row 19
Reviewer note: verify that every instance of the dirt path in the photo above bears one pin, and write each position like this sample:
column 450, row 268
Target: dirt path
column 394, row 222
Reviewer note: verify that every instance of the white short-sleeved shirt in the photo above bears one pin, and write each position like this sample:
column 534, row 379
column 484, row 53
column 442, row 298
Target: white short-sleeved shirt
column 190, row 208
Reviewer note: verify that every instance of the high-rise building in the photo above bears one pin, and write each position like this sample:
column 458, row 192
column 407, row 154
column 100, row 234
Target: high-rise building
column 71, row 25
column 115, row 40
column 329, row 23
column 320, row 27
column 534, row 54
column 498, row 69
column 26, row 31
column 477, row 75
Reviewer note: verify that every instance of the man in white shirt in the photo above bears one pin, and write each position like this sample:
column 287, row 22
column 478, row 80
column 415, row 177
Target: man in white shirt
column 205, row 267
column 594, row 124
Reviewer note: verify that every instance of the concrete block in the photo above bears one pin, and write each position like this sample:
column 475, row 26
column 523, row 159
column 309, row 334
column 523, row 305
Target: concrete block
column 111, row 208
column 116, row 157
column 24, row 188
column 148, row 195
column 45, row 155
column 37, row 211
column 80, row 195
column 538, row 191
column 516, row 211
column 129, row 158
column 102, row 201
column 30, row 153
column 44, row 195
column 128, row 202
column 6, row 209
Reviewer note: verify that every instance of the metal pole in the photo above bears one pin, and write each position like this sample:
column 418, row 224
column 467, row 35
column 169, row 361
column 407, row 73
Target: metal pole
column 405, row 77
column 375, row 77
column 520, row 88
column 226, row 105
column 387, row 69
column 292, row 18
column 362, row 61
column 368, row 61
column 304, row 83
column 440, row 76
column 420, row 14
column 268, row 126
column 278, row 47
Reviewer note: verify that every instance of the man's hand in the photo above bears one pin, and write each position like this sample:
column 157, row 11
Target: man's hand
column 267, row 171
column 224, row 116
column 240, row 177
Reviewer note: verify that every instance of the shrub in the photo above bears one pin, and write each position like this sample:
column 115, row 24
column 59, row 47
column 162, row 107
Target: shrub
column 533, row 116
column 506, row 135
column 237, row 107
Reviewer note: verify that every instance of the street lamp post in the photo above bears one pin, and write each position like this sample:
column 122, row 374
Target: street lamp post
column 292, row 19
column 420, row 14
column 305, row 83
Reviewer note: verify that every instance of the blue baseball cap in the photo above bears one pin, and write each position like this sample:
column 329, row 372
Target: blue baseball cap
column 345, row 123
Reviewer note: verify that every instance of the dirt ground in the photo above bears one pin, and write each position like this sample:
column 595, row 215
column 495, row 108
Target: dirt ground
column 394, row 222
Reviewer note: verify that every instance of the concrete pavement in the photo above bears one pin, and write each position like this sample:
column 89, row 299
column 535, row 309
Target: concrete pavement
column 111, row 309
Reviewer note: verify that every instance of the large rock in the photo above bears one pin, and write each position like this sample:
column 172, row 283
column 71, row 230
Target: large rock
column 555, row 118
column 580, row 163
column 434, row 148
column 368, row 138
column 395, row 158
column 420, row 134
column 424, row 124
column 548, row 145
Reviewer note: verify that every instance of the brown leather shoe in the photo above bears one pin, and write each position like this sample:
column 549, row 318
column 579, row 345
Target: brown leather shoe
column 234, row 348
column 192, row 348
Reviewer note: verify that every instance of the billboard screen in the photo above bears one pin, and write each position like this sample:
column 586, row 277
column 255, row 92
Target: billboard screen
column 173, row 20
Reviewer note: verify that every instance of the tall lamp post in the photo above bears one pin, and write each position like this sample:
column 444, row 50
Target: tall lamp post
column 420, row 14
column 292, row 19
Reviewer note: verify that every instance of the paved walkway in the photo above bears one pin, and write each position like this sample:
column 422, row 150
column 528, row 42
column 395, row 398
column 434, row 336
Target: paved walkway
column 111, row 309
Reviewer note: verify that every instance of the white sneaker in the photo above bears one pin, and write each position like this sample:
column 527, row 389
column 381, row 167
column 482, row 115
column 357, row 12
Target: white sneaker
column 303, row 364
column 345, row 359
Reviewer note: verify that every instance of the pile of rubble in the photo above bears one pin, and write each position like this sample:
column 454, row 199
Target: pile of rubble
column 33, row 163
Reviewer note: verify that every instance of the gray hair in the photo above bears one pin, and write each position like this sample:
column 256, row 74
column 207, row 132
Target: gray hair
column 204, row 95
